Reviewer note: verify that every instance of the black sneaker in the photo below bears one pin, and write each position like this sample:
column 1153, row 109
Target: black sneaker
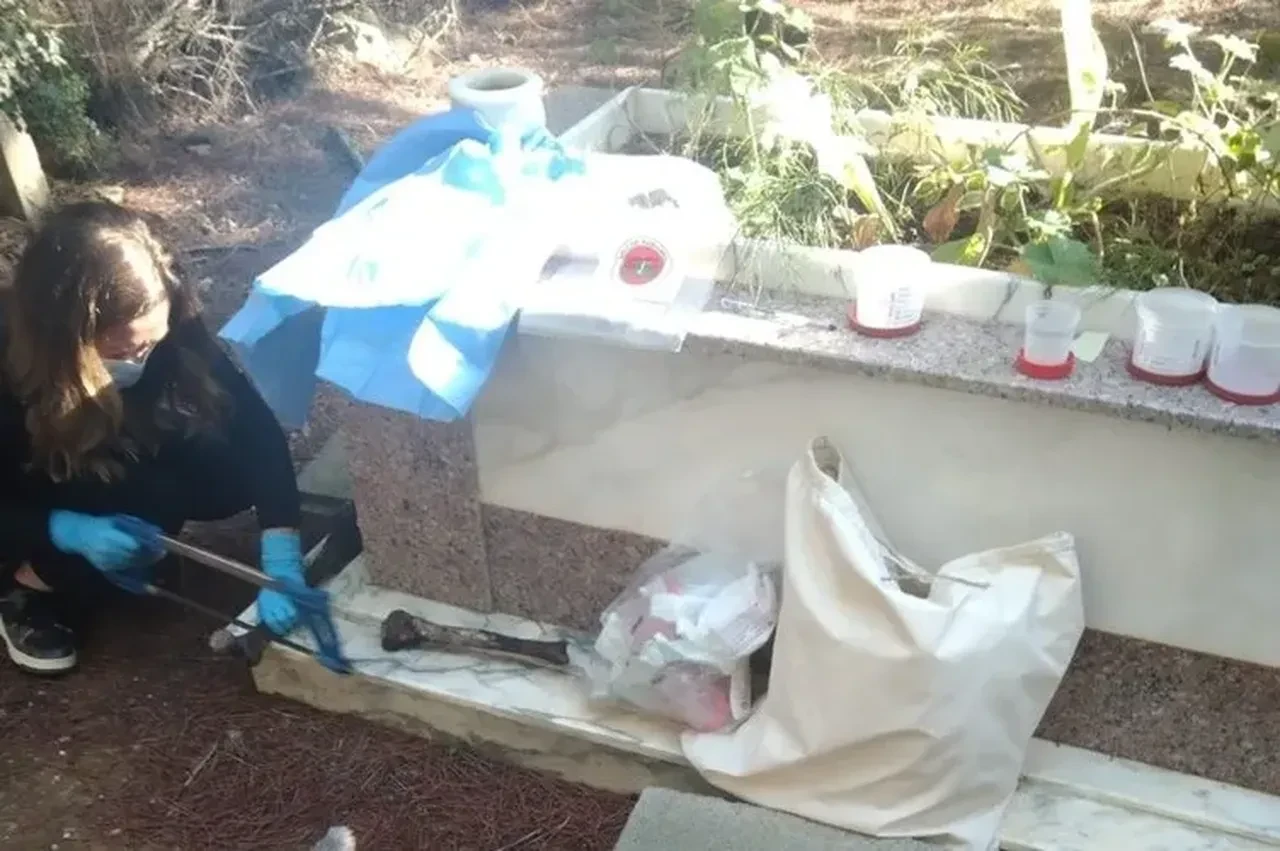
column 38, row 642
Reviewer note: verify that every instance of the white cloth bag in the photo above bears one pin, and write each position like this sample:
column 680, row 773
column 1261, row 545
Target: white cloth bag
column 888, row 713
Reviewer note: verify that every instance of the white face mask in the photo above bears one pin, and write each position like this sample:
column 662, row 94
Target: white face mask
column 125, row 373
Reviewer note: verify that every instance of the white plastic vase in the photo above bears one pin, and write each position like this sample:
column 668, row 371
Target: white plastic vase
column 509, row 98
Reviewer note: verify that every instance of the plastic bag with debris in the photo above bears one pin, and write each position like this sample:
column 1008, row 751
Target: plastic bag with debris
column 678, row 641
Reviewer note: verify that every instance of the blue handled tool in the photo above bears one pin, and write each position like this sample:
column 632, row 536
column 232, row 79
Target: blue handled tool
column 312, row 603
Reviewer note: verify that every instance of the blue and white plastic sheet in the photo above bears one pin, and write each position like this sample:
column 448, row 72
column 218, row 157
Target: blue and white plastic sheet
column 405, row 297
column 418, row 277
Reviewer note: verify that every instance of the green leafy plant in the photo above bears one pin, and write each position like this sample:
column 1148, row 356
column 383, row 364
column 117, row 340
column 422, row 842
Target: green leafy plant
column 45, row 94
column 1078, row 212
column 27, row 50
column 55, row 109
column 783, row 195
column 1232, row 113
column 994, row 188
column 794, row 175
column 1060, row 260
column 734, row 42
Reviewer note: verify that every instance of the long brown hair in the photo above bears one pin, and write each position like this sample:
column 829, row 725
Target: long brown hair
column 91, row 267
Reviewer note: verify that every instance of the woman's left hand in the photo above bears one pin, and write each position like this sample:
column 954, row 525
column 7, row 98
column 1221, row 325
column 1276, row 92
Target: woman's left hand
column 282, row 561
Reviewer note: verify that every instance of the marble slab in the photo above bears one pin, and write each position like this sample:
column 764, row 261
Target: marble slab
column 418, row 504
column 1174, row 525
column 1069, row 799
column 549, row 697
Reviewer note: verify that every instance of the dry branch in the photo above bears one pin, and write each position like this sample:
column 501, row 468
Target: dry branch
column 218, row 58
column 144, row 45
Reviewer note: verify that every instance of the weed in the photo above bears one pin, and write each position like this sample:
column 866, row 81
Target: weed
column 784, row 195
column 928, row 74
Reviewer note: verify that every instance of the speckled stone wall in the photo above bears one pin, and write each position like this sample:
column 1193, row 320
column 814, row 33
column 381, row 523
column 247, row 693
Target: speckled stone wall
column 426, row 531
column 417, row 500
column 556, row 571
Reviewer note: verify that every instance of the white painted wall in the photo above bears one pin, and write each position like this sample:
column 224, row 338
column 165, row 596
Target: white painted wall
column 1176, row 530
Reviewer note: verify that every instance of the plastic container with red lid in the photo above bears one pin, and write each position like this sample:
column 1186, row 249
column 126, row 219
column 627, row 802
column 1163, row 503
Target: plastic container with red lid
column 1174, row 335
column 1048, row 335
column 1245, row 364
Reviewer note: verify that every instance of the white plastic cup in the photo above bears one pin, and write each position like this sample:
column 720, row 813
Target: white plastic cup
column 510, row 98
column 1175, row 332
column 889, row 285
column 1049, row 333
column 1246, row 352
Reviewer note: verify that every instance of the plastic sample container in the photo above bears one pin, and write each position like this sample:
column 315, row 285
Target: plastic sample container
column 504, row 97
column 1175, row 333
column 889, row 290
column 1047, row 338
column 1245, row 364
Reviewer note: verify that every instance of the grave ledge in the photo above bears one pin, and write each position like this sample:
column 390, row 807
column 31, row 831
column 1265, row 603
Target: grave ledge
column 1069, row 799
column 959, row 353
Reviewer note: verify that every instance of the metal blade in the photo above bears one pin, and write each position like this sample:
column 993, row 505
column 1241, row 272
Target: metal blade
column 219, row 563
column 166, row 594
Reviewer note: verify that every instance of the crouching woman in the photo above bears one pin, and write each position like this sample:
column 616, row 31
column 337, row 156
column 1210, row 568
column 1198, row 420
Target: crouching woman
column 120, row 418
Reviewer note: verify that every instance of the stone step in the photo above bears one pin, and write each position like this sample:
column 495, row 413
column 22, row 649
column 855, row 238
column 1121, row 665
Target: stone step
column 667, row 820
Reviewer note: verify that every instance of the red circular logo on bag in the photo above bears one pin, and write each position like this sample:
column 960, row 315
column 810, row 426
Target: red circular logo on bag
column 641, row 262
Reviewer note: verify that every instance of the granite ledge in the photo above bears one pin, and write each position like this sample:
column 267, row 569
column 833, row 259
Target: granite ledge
column 955, row 353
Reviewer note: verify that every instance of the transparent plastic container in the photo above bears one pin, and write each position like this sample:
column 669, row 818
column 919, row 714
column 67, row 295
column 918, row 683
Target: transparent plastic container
column 890, row 282
column 1174, row 335
column 1048, row 335
column 1245, row 364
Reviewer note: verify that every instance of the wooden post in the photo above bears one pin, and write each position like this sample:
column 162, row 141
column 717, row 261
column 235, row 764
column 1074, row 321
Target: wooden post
column 24, row 192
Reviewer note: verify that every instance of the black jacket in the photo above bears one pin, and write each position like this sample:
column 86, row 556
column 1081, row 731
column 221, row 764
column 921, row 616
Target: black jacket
column 260, row 447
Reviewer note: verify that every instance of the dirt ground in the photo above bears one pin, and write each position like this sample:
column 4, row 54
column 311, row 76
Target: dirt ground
column 155, row 743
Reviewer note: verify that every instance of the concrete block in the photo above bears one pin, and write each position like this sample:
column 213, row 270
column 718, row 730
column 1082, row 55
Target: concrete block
column 666, row 820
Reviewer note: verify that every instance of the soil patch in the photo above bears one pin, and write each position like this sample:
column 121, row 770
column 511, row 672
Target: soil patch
column 157, row 744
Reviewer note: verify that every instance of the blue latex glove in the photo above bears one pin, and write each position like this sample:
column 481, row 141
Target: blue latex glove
column 111, row 544
column 135, row 580
column 282, row 561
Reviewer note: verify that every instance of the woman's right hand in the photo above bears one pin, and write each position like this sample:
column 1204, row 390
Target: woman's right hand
column 113, row 543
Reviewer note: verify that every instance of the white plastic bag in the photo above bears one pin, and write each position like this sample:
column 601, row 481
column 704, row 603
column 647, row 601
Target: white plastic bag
column 678, row 640
column 642, row 240
column 889, row 713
